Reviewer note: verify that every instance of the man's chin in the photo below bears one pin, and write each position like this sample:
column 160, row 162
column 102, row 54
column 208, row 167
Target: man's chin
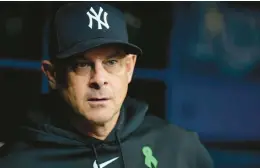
column 100, row 117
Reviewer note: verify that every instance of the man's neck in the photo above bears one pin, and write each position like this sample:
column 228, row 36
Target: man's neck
column 98, row 131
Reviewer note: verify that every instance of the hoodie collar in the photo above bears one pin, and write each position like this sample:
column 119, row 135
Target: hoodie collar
column 50, row 124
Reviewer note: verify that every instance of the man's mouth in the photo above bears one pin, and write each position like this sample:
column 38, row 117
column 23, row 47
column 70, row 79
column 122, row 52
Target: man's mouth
column 97, row 99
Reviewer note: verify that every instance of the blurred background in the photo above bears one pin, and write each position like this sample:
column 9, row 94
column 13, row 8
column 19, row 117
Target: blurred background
column 200, row 68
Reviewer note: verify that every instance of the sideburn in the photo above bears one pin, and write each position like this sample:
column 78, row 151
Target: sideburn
column 61, row 70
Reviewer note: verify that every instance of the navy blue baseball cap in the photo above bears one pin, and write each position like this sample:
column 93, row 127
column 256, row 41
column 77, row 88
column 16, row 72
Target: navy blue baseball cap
column 82, row 26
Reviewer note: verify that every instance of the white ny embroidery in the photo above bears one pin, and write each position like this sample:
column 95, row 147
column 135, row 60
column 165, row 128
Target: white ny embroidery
column 97, row 17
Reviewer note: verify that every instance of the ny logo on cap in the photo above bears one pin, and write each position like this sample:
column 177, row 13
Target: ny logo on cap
column 97, row 17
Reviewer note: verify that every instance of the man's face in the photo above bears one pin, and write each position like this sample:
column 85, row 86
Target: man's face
column 97, row 83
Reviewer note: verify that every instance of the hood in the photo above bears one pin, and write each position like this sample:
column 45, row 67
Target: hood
column 47, row 122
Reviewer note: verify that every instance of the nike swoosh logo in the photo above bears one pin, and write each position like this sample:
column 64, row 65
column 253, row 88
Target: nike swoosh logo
column 102, row 165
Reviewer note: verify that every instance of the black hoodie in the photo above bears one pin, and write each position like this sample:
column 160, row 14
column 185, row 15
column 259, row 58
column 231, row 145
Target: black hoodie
column 47, row 140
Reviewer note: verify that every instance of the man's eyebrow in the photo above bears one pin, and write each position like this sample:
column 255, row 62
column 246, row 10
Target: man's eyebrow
column 117, row 53
column 79, row 56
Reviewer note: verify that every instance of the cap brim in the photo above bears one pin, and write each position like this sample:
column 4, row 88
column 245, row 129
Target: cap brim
column 95, row 43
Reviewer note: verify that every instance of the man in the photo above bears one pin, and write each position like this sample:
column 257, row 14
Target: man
column 88, row 121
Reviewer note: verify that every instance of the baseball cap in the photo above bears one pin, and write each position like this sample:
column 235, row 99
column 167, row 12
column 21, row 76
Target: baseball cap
column 81, row 26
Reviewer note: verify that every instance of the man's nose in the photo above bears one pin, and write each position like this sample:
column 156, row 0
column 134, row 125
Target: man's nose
column 98, row 76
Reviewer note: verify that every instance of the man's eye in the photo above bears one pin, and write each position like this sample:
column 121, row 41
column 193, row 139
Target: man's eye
column 81, row 65
column 111, row 62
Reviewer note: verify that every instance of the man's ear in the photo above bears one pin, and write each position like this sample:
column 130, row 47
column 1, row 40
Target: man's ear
column 48, row 69
column 131, row 61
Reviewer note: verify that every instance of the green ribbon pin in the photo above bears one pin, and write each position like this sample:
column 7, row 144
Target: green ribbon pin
column 149, row 158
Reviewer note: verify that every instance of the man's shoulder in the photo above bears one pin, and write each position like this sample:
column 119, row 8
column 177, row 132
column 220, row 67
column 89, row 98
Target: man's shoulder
column 166, row 128
column 188, row 141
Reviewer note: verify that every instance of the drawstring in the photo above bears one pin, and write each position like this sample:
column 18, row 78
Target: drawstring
column 96, row 156
column 121, row 121
column 120, row 147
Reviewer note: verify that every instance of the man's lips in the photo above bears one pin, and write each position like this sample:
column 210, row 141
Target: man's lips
column 97, row 99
